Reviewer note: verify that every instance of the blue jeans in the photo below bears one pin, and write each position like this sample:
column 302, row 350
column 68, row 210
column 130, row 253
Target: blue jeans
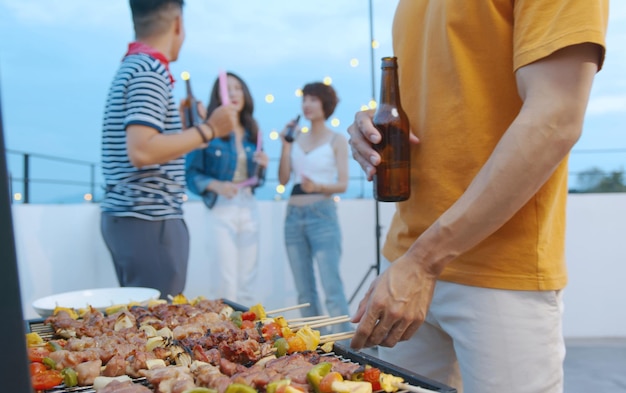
column 312, row 234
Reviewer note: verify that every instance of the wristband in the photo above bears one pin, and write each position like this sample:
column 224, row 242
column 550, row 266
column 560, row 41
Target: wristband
column 204, row 138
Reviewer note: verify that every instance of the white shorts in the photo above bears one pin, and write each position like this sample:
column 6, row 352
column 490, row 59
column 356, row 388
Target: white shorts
column 481, row 340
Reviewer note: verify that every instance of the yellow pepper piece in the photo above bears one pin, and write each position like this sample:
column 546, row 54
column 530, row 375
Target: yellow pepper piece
column 281, row 321
column 310, row 337
column 180, row 299
column 70, row 311
column 114, row 309
column 197, row 300
column 287, row 332
column 33, row 339
column 259, row 311
column 389, row 383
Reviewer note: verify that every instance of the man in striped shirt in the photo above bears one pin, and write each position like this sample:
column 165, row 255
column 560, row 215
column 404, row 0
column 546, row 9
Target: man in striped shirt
column 143, row 148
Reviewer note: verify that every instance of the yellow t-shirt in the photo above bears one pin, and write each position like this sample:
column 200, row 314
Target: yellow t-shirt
column 457, row 61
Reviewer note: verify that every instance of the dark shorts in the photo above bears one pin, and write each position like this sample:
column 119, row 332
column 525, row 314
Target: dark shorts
column 151, row 254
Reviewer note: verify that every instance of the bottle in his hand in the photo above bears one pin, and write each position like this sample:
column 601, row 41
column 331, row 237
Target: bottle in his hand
column 291, row 130
column 190, row 106
column 392, row 179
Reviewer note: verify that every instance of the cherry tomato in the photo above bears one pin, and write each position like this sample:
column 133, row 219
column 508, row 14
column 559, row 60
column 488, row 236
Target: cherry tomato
column 372, row 375
column 248, row 316
column 271, row 330
column 326, row 384
column 36, row 354
column 36, row 368
column 46, row 379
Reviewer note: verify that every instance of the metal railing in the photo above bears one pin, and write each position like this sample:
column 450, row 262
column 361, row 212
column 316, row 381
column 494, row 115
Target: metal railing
column 22, row 176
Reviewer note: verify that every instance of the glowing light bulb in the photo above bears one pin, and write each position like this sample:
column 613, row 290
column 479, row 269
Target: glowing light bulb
column 354, row 62
column 280, row 189
column 17, row 196
column 185, row 75
column 273, row 135
column 269, row 98
column 335, row 122
column 88, row 197
column 372, row 104
column 328, row 80
column 364, row 107
column 375, row 44
column 304, row 129
column 298, row 93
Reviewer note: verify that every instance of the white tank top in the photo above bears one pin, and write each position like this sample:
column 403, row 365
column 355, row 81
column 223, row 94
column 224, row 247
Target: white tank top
column 319, row 164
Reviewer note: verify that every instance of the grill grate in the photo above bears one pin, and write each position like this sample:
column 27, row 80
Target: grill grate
column 339, row 351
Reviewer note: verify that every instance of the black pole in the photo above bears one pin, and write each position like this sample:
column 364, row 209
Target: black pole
column 26, row 178
column 14, row 364
column 92, row 183
column 374, row 98
column 376, row 266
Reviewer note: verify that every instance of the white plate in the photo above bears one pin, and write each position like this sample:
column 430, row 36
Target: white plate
column 98, row 298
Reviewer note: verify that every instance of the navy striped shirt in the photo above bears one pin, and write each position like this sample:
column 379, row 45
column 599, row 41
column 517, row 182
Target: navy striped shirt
column 141, row 93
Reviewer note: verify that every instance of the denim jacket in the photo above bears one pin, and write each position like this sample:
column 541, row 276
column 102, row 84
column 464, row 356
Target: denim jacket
column 217, row 161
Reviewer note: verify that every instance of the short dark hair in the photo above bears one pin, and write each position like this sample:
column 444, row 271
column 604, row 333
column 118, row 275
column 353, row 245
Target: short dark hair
column 152, row 17
column 325, row 93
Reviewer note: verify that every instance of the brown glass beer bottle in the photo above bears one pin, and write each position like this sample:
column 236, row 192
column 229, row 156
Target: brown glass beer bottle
column 392, row 178
column 190, row 105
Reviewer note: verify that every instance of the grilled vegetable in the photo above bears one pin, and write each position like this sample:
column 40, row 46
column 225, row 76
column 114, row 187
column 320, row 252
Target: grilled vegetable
column 239, row 388
column 236, row 318
column 310, row 337
column 54, row 346
column 180, row 299
column 70, row 378
column 259, row 311
column 315, row 375
column 273, row 386
column 114, row 309
column 372, row 375
column 200, row 390
column 389, row 383
column 351, row 387
column 33, row 339
column 46, row 379
column 123, row 322
column 51, row 364
column 326, row 384
column 69, row 311
column 155, row 363
column 281, row 346
column 36, row 354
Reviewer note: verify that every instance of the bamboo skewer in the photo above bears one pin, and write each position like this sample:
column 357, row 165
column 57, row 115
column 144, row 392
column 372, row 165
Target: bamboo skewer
column 306, row 318
column 336, row 337
column 318, row 321
column 411, row 388
column 288, row 308
column 327, row 322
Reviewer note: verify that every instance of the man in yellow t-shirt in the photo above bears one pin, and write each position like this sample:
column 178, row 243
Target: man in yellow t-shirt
column 495, row 92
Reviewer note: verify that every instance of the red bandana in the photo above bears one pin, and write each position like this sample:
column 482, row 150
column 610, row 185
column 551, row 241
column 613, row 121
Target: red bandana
column 141, row 48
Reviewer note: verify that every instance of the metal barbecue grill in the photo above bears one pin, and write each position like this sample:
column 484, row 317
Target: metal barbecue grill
column 341, row 352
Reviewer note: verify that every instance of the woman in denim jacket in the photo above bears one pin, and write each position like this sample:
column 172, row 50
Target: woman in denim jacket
column 225, row 174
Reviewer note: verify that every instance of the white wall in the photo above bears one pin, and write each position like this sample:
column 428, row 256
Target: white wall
column 60, row 249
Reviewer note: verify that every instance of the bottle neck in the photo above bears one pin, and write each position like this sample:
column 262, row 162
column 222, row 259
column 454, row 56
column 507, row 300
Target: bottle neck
column 389, row 91
column 188, row 86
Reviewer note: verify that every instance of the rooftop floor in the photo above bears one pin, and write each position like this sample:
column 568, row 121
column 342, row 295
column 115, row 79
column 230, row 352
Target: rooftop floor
column 593, row 365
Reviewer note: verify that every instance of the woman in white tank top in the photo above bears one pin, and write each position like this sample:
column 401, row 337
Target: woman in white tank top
column 317, row 163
